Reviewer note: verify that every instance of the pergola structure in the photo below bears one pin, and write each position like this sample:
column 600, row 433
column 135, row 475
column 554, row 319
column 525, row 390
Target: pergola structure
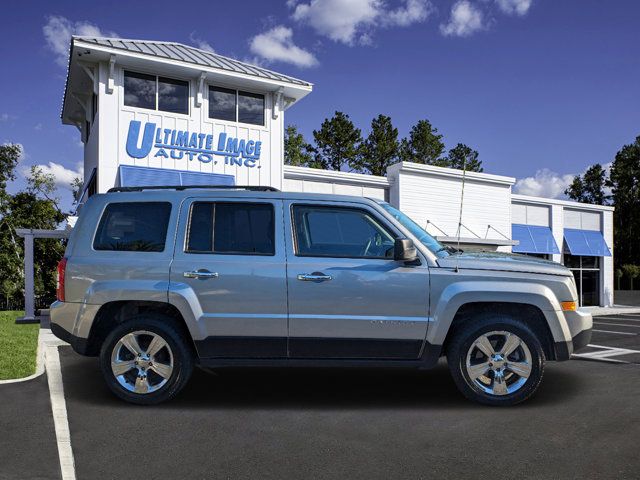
column 29, row 295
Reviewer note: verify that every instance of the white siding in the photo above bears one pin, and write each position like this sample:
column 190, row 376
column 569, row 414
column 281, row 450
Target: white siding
column 311, row 180
column 429, row 195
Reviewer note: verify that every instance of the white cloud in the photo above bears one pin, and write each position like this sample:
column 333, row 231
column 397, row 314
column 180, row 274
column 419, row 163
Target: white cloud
column 200, row 43
column 57, row 34
column 545, row 183
column 5, row 117
column 276, row 45
column 63, row 175
column 350, row 21
column 465, row 20
column 514, row 7
column 413, row 11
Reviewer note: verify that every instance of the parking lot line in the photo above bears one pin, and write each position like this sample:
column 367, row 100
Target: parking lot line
column 611, row 331
column 617, row 324
column 615, row 317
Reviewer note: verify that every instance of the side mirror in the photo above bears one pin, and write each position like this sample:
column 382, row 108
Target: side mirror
column 404, row 250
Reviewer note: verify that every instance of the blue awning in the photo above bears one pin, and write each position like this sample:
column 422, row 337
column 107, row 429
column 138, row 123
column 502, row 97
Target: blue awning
column 131, row 176
column 587, row 243
column 533, row 239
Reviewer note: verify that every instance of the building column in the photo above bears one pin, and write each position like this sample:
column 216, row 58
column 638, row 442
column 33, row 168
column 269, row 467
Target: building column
column 29, row 290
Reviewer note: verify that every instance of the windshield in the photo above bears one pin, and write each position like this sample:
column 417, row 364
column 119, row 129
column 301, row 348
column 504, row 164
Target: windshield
column 417, row 231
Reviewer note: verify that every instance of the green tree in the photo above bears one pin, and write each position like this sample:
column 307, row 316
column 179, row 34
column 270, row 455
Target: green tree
column 631, row 272
column 337, row 143
column 296, row 149
column 590, row 187
column 462, row 157
column 424, row 144
column 380, row 149
column 35, row 207
column 624, row 180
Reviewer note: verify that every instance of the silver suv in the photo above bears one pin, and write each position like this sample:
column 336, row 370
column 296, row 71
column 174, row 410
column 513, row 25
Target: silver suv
column 157, row 280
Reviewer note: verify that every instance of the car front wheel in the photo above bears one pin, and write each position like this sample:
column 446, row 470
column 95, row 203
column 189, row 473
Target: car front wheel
column 496, row 360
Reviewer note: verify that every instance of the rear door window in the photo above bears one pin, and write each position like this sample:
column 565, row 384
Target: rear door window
column 231, row 228
column 133, row 226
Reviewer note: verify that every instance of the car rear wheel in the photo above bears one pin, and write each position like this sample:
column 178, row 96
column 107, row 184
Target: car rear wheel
column 496, row 360
column 146, row 360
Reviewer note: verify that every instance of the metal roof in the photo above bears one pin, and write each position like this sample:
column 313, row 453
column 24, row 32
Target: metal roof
column 185, row 53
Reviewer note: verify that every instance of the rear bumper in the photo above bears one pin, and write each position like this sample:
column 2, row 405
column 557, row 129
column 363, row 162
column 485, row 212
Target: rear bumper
column 77, row 343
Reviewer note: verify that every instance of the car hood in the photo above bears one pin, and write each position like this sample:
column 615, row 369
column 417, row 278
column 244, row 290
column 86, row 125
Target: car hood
column 506, row 262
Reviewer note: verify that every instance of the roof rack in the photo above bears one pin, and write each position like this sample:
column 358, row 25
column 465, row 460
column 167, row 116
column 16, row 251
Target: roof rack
column 253, row 188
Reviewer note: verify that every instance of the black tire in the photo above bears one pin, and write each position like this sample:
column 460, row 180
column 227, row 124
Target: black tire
column 182, row 358
column 473, row 329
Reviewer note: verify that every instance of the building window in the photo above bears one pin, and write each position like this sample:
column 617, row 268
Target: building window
column 231, row 228
column 156, row 93
column 139, row 90
column 222, row 104
column 133, row 226
column 586, row 271
column 236, row 106
column 251, row 108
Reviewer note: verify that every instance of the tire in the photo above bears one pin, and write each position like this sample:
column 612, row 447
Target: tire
column 164, row 360
column 482, row 371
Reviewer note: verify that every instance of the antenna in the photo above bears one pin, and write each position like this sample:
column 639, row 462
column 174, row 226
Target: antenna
column 464, row 175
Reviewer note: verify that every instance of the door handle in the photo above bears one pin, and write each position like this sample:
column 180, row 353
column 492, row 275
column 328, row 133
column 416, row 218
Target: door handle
column 314, row 277
column 202, row 273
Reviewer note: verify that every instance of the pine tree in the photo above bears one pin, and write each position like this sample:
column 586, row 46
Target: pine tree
column 380, row 149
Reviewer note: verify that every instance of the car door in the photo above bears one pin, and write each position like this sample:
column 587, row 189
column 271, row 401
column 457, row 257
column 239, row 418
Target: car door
column 348, row 297
column 230, row 259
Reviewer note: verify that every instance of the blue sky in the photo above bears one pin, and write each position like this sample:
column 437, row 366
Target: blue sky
column 541, row 88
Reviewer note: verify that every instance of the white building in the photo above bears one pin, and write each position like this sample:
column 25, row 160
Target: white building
column 162, row 113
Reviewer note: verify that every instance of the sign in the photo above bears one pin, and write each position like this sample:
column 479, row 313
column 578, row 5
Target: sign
column 179, row 144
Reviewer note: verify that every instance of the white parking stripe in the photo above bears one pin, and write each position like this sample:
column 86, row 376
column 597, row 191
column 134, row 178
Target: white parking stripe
column 611, row 331
column 617, row 324
column 615, row 317
column 59, row 409
column 605, row 353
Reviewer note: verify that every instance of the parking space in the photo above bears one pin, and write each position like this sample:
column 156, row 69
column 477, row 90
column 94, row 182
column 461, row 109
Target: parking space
column 583, row 423
column 616, row 338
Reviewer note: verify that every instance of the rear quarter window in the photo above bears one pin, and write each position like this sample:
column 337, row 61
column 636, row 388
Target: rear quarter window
column 133, row 227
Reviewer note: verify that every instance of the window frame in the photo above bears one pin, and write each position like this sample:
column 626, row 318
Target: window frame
column 102, row 214
column 187, row 232
column 157, row 92
column 237, row 109
column 380, row 222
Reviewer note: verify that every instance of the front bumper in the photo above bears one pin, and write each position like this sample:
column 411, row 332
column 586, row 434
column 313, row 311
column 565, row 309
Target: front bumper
column 580, row 325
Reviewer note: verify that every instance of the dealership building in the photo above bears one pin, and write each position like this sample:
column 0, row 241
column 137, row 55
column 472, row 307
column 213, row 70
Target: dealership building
column 163, row 113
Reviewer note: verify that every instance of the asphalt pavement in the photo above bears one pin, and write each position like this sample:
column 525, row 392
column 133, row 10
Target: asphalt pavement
column 27, row 436
column 369, row 424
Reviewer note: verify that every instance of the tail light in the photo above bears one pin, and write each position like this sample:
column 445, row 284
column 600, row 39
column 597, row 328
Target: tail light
column 62, row 265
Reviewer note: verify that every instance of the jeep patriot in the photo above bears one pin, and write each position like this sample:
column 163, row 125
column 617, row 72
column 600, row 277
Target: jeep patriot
column 156, row 280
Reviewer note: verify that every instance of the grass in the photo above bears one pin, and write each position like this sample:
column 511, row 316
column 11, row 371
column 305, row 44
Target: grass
column 18, row 346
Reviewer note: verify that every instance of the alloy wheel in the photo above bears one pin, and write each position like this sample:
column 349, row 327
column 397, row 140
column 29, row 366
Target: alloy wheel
column 142, row 362
column 498, row 363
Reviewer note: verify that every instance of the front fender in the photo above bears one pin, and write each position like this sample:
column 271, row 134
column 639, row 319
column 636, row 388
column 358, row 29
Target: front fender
column 458, row 294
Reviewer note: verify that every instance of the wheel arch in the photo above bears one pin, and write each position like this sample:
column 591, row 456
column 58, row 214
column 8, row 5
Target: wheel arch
column 116, row 312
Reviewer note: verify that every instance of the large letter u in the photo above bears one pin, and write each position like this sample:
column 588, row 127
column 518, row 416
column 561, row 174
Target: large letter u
column 147, row 140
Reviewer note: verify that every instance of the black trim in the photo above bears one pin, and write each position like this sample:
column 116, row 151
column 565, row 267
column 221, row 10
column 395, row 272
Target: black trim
column 564, row 350
column 342, row 350
column 77, row 343
column 242, row 347
column 428, row 359
column 369, row 348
